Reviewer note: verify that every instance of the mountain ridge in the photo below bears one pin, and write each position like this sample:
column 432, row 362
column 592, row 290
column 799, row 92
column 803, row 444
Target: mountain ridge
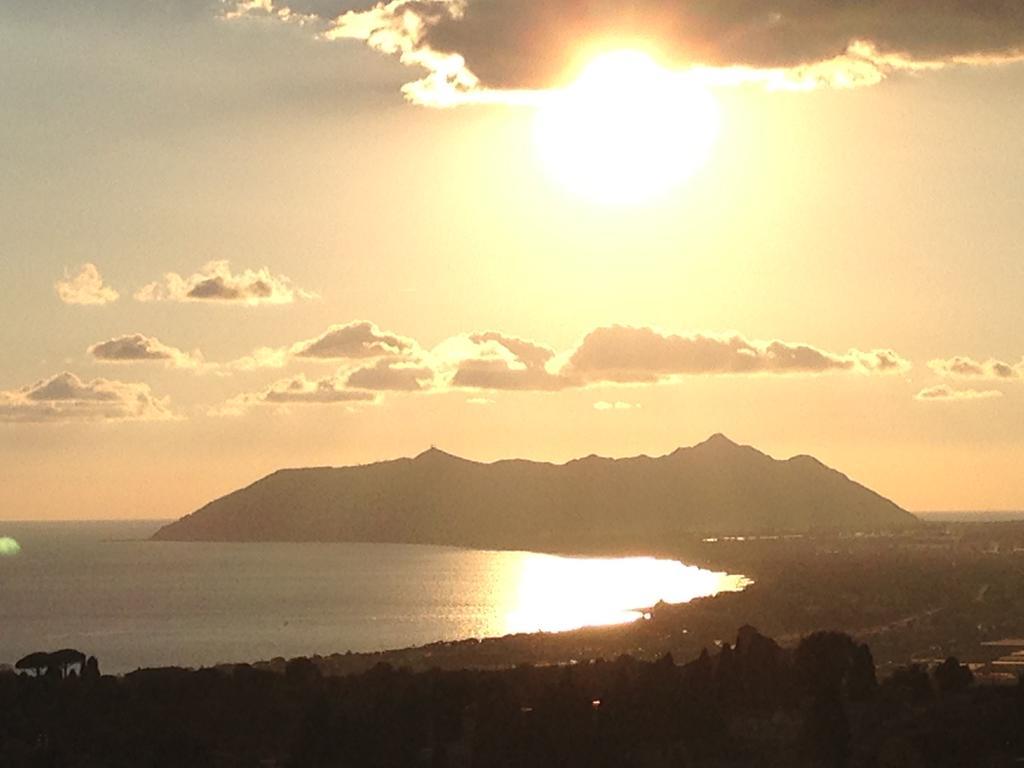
column 716, row 486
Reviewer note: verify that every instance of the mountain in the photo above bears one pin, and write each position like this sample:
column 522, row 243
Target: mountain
column 435, row 498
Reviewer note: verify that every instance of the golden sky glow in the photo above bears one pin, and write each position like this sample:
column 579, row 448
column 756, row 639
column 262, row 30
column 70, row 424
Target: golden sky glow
column 231, row 244
column 626, row 130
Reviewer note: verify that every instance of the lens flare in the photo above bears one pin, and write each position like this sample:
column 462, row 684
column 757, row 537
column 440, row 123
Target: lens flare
column 9, row 546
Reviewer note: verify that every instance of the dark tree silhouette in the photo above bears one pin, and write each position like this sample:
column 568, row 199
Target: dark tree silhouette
column 911, row 683
column 301, row 671
column 826, row 664
column 833, row 661
column 861, row 682
column 37, row 663
column 593, row 714
column 56, row 664
column 826, row 734
column 66, row 658
column 952, row 677
column 760, row 665
column 91, row 670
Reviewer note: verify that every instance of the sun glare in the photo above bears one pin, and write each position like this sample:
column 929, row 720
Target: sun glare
column 553, row 594
column 627, row 130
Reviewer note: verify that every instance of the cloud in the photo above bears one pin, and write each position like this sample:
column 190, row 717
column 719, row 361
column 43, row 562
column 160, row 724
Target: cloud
column 468, row 49
column 397, row 375
column 630, row 355
column 493, row 360
column 302, row 390
column 626, row 354
column 87, row 287
column 374, row 361
column 357, row 340
column 296, row 390
column 216, row 283
column 881, row 361
column 65, row 397
column 968, row 368
column 266, row 8
column 137, row 347
column 944, row 393
column 354, row 340
column 617, row 405
column 262, row 357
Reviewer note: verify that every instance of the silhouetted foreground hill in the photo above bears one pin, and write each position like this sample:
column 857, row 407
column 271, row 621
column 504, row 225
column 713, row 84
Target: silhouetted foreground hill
column 435, row 498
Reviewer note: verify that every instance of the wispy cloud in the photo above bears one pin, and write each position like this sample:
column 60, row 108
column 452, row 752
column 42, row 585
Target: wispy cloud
column 261, row 357
column 267, row 9
column 86, row 287
column 616, row 405
column 297, row 390
column 944, row 393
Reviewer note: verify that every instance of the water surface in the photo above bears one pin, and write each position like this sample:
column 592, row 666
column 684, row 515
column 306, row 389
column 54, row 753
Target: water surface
column 102, row 588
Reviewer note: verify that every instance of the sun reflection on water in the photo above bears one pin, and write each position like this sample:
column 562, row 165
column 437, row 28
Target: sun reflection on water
column 553, row 594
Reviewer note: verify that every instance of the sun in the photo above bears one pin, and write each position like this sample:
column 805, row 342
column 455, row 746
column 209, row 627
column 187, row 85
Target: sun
column 627, row 130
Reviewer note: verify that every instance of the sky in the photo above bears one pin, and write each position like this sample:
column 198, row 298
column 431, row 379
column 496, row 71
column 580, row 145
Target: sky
column 239, row 237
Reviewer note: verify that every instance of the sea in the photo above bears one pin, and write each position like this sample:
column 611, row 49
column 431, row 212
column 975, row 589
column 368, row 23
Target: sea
column 105, row 589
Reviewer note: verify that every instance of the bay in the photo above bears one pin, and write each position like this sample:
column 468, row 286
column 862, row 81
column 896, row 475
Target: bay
column 103, row 588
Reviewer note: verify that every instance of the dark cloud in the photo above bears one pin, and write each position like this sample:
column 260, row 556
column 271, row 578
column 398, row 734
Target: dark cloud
column 627, row 354
column 534, row 44
column 356, row 340
column 495, row 361
column 137, row 347
column 396, row 375
column 352, row 341
column 66, row 387
column 297, row 390
column 219, row 288
column 969, row 368
column 215, row 282
column 882, row 361
column 302, row 390
column 65, row 397
column 622, row 354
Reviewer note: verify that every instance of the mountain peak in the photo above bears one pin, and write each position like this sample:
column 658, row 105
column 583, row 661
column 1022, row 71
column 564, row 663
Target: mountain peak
column 717, row 442
column 433, row 453
column 720, row 448
column 719, row 439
